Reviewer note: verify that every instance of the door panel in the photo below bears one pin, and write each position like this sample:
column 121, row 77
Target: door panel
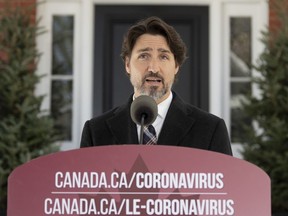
column 111, row 85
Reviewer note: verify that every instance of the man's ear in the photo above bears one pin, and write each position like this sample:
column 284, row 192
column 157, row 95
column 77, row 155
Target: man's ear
column 127, row 65
column 176, row 69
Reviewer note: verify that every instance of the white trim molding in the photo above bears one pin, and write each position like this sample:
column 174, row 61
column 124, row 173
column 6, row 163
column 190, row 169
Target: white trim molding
column 45, row 12
column 258, row 12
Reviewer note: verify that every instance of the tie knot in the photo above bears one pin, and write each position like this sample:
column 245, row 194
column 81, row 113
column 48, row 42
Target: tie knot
column 149, row 135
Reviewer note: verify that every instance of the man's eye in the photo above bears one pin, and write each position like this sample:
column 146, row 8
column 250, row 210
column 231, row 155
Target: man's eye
column 143, row 56
column 164, row 57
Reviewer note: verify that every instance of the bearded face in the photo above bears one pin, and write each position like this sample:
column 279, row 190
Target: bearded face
column 152, row 67
column 153, row 85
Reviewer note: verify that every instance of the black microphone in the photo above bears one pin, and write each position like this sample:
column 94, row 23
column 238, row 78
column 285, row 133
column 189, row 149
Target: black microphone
column 143, row 111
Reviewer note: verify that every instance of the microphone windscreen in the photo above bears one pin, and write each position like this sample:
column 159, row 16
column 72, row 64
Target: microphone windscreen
column 144, row 105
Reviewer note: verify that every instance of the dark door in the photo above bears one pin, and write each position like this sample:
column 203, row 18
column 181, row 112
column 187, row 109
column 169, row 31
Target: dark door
column 111, row 85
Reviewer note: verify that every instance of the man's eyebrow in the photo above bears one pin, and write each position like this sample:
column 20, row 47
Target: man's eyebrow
column 147, row 49
column 164, row 50
column 144, row 49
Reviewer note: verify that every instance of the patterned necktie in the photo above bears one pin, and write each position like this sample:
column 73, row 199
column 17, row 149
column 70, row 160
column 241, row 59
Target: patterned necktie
column 149, row 135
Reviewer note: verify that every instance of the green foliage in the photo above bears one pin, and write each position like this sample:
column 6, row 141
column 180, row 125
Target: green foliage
column 267, row 144
column 25, row 131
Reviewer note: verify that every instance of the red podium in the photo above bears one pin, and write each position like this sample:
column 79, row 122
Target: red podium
column 138, row 180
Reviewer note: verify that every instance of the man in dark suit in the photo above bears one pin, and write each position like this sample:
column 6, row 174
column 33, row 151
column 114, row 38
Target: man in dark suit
column 153, row 52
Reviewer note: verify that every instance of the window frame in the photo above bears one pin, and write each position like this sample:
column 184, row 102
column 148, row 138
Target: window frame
column 259, row 20
column 45, row 13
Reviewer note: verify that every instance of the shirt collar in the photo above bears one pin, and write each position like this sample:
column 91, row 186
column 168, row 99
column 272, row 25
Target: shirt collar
column 164, row 106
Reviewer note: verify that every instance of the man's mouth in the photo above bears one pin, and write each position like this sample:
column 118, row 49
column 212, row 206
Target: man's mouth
column 153, row 80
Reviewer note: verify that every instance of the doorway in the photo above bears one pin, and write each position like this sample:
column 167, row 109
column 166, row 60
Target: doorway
column 111, row 85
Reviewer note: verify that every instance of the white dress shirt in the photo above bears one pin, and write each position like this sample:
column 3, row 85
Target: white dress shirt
column 162, row 112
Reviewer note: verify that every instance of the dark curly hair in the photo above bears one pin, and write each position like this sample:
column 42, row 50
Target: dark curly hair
column 154, row 26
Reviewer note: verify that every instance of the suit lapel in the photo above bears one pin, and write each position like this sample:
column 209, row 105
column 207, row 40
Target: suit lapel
column 177, row 124
column 121, row 125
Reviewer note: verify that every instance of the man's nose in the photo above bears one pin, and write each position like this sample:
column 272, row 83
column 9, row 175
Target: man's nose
column 153, row 66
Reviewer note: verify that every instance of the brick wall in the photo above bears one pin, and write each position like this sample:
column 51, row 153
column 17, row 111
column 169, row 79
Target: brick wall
column 18, row 3
column 273, row 21
column 4, row 4
column 14, row 3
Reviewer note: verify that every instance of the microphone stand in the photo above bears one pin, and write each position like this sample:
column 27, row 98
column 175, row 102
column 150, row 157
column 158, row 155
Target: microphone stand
column 143, row 116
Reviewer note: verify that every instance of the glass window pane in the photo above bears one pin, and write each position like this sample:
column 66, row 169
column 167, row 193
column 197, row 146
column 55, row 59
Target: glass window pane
column 238, row 121
column 240, row 67
column 62, row 48
column 240, row 46
column 240, row 89
column 238, row 118
column 61, row 107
